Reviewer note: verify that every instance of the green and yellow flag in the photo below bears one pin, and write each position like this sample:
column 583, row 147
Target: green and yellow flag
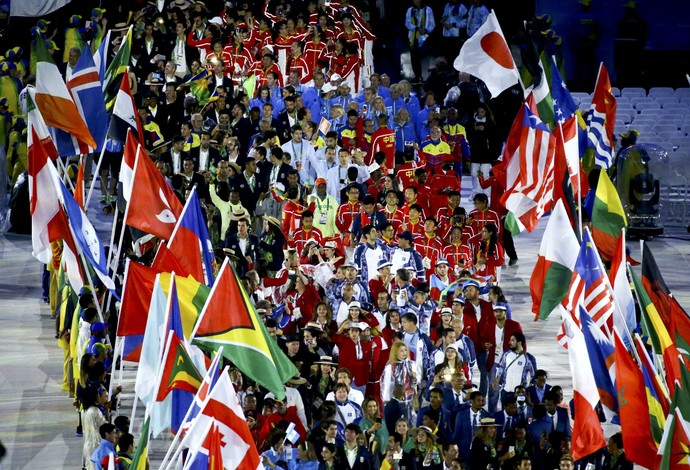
column 141, row 455
column 229, row 319
column 115, row 70
column 608, row 217
column 179, row 372
column 198, row 86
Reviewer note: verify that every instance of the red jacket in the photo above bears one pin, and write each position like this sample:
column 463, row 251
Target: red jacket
column 475, row 329
column 347, row 354
column 488, row 332
column 383, row 140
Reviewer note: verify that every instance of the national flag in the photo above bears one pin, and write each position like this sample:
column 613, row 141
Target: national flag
column 563, row 105
column 634, row 412
column 656, row 331
column 527, row 169
column 150, row 358
column 656, row 390
column 192, row 297
column 100, row 58
column 624, row 318
column 588, row 286
column 141, row 454
column 54, row 99
column 563, row 189
column 35, row 9
column 601, row 356
column 125, row 115
column 249, row 85
column 153, row 206
column 223, row 409
column 165, row 261
column 136, row 298
column 674, row 449
column 229, row 319
column 555, row 263
column 587, row 435
column 680, row 329
column 608, row 217
column 179, row 372
column 181, row 398
column 198, row 87
column 116, row 69
column 48, row 222
column 85, row 88
column 486, row 56
column 210, row 454
column 79, row 184
column 190, row 242
column 129, row 158
column 542, row 96
column 85, row 236
column 601, row 120
column 655, row 286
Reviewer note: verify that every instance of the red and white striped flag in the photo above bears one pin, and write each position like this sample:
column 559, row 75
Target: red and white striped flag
column 527, row 169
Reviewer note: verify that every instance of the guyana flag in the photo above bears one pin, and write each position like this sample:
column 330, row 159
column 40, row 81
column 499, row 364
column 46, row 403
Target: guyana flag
column 179, row 372
column 654, row 328
column 140, row 458
column 229, row 319
column 608, row 217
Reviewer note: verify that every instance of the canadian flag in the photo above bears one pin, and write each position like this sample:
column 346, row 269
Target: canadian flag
column 486, row 56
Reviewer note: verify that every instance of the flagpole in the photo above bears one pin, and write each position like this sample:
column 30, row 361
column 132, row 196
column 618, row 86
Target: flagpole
column 219, row 354
column 97, row 175
column 579, row 195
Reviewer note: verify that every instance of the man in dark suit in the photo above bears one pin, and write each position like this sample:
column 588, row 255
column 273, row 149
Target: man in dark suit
column 538, row 429
column 151, row 45
column 508, row 418
column 351, row 455
column 435, row 411
column 466, row 423
column 189, row 178
column 286, row 119
column 204, row 155
column 219, row 78
column 249, row 184
column 537, row 391
column 557, row 416
column 240, row 126
column 245, row 246
column 175, row 156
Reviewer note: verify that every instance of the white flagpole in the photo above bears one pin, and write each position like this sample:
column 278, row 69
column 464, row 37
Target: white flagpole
column 219, row 355
column 97, row 175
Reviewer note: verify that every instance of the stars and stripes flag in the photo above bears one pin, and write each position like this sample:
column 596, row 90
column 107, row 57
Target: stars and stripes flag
column 527, row 169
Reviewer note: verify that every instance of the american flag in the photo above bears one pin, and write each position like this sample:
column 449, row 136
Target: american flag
column 529, row 171
column 588, row 287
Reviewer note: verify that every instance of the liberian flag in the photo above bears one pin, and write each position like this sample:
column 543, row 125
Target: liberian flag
column 588, row 286
column 588, row 437
column 54, row 99
column 486, row 56
column 528, row 169
column 555, row 264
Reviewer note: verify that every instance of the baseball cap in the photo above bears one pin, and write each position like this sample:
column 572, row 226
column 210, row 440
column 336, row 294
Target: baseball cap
column 320, row 181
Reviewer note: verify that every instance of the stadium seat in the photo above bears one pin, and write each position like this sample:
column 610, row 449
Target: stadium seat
column 580, row 95
column 682, row 93
column 616, row 91
column 641, row 107
column 665, row 128
column 660, row 91
column 666, row 100
column 681, row 108
column 633, row 91
column 623, row 117
column 685, row 129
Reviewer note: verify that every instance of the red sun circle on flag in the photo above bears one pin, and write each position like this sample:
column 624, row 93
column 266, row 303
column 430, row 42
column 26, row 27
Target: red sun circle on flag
column 495, row 47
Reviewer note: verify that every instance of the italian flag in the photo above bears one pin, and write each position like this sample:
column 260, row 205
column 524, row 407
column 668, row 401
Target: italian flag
column 54, row 99
column 608, row 217
column 550, row 279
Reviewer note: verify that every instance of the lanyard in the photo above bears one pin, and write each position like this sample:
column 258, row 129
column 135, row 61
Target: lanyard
column 328, row 202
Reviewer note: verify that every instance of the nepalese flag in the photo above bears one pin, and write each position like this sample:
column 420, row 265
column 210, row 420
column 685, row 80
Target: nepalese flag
column 602, row 356
column 85, row 87
column 588, row 286
column 601, row 119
